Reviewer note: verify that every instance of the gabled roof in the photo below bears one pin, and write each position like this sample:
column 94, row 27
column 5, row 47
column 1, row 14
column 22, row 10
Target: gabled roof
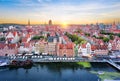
column 2, row 46
column 83, row 45
column 24, row 39
column 93, row 47
column 102, row 47
column 10, row 46
column 66, row 46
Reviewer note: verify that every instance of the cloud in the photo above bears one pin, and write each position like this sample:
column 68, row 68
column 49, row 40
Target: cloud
column 44, row 0
column 47, row 9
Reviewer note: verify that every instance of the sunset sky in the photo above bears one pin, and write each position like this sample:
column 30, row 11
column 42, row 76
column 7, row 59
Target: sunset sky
column 59, row 11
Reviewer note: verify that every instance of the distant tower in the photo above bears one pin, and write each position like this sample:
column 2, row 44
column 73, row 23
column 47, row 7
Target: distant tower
column 114, row 23
column 50, row 22
column 29, row 23
column 114, row 27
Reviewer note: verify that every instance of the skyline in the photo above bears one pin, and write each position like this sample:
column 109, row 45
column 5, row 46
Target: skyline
column 59, row 11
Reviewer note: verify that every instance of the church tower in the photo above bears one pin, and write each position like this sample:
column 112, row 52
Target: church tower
column 50, row 22
column 114, row 26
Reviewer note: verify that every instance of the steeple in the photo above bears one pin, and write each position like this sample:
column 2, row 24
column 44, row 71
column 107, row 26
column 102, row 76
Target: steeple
column 114, row 23
column 50, row 22
column 28, row 22
column 114, row 27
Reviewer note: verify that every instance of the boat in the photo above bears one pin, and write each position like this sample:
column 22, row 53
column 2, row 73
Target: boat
column 118, row 56
column 17, row 63
column 100, row 72
column 112, row 56
column 3, row 63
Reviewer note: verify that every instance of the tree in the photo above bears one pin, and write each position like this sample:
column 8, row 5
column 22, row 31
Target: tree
column 94, row 36
column 119, row 35
column 74, row 38
column 37, row 37
column 111, row 37
column 87, row 34
column 78, row 31
column 2, row 39
column 105, row 39
column 102, row 32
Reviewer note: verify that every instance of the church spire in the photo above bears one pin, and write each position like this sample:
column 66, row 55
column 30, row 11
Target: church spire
column 29, row 22
column 113, row 22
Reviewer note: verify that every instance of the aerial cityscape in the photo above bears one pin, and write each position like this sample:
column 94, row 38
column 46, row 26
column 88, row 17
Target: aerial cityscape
column 59, row 40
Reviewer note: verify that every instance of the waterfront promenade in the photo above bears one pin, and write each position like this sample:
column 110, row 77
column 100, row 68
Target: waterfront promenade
column 39, row 59
column 58, row 59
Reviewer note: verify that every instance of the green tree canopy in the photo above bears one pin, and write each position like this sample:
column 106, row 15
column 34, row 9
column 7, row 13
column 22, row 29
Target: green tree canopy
column 105, row 39
column 37, row 37
column 74, row 38
column 111, row 37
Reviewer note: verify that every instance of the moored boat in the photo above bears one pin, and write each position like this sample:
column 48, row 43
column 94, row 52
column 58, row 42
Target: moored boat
column 17, row 63
column 3, row 63
column 118, row 56
column 100, row 72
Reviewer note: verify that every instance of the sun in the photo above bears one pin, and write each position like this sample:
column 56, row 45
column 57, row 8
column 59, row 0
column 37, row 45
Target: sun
column 64, row 25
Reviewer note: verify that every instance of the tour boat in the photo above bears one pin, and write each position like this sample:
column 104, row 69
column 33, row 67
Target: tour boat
column 17, row 63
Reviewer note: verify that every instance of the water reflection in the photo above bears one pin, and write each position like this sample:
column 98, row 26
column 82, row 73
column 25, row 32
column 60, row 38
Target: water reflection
column 54, row 72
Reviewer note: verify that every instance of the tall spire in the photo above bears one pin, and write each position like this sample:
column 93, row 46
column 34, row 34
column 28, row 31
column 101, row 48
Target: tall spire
column 28, row 22
column 50, row 22
column 113, row 22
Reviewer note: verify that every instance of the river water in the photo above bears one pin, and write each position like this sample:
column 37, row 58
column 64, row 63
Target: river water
column 56, row 72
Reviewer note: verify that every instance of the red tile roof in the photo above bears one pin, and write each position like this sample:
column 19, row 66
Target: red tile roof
column 27, row 45
column 93, row 47
column 101, row 47
column 24, row 40
column 66, row 46
column 2, row 46
column 10, row 46
column 83, row 45
column 14, row 33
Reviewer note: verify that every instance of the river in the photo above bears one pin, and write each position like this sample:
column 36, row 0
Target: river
column 59, row 72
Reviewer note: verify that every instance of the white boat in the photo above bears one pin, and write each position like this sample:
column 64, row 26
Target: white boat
column 118, row 56
column 100, row 72
column 3, row 63
column 112, row 56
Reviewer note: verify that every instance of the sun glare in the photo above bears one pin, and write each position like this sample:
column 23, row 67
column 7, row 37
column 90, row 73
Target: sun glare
column 64, row 25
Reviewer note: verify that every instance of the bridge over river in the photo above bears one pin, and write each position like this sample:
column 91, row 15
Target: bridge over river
column 113, row 64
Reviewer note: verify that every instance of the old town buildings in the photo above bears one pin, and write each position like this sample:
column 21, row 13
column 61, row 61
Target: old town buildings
column 50, row 39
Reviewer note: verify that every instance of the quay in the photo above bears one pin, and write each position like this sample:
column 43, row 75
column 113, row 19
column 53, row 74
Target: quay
column 59, row 59
column 40, row 59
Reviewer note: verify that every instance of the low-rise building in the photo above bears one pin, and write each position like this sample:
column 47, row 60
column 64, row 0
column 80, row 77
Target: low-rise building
column 84, row 49
column 65, row 50
column 9, row 49
column 13, row 37
column 101, row 50
column 41, row 47
column 25, row 48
